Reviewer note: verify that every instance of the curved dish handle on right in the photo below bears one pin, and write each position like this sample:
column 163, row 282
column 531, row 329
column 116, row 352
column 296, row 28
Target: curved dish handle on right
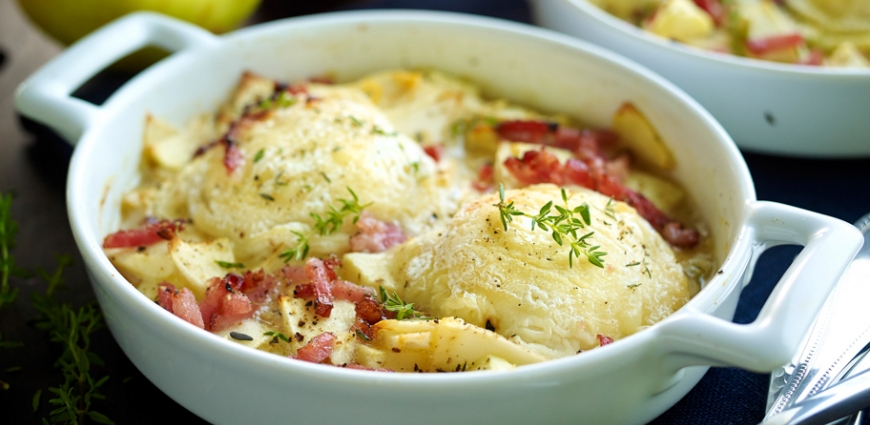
column 772, row 339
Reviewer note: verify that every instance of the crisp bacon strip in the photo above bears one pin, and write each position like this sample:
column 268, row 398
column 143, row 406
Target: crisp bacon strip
column 256, row 285
column 369, row 310
column 149, row 234
column 362, row 329
column 318, row 348
column 585, row 144
column 224, row 304
column 672, row 231
column 604, row 340
column 181, row 303
column 344, row 290
column 375, row 235
column 542, row 167
column 295, row 274
column 320, row 276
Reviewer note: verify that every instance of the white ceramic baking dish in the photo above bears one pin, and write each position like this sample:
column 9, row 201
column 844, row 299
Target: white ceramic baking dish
column 630, row 381
column 766, row 107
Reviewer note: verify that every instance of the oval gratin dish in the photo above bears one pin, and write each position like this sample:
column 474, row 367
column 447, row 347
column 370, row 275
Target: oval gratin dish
column 629, row 381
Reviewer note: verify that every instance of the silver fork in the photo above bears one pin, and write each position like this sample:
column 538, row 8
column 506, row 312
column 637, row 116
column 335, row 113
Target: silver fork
column 837, row 338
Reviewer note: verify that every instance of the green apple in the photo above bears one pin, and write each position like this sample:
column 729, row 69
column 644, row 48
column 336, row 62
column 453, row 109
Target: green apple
column 68, row 20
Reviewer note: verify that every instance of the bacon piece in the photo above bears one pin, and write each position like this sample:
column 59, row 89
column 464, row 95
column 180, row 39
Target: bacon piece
column 181, row 303
column 369, row 310
column 232, row 155
column 375, row 235
column 526, row 131
column 320, row 277
column 678, row 235
column 257, row 285
column 714, row 9
column 297, row 89
column 149, row 234
column 295, row 274
column 331, row 263
column 672, row 231
column 224, row 303
column 344, row 290
column 604, row 340
column 318, row 348
column 618, row 168
column 434, row 151
column 484, row 178
column 362, row 329
column 544, row 167
column 815, row 58
column 771, row 44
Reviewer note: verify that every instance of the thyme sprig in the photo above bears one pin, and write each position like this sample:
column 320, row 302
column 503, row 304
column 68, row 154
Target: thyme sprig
column 68, row 327
column 8, row 230
column 72, row 329
column 395, row 304
column 334, row 218
column 564, row 225
column 326, row 224
column 300, row 251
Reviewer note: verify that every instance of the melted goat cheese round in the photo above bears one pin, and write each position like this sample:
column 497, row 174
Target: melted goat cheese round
column 520, row 283
column 300, row 161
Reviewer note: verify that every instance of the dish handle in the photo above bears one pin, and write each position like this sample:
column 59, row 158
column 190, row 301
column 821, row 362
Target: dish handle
column 46, row 95
column 772, row 339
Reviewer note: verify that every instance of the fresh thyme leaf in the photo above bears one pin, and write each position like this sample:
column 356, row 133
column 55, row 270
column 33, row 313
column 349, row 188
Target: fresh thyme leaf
column 609, row 209
column 277, row 335
column 395, row 304
column 267, row 196
column 299, row 252
column 326, row 224
column 380, row 131
column 634, row 285
column 632, row 264
column 259, row 155
column 37, row 396
column 100, row 418
column 228, row 265
column 285, row 100
column 356, row 121
column 325, row 177
column 563, row 225
column 362, row 336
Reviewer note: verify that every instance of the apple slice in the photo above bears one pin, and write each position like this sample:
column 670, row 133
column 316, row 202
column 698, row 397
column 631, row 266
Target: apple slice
column 641, row 137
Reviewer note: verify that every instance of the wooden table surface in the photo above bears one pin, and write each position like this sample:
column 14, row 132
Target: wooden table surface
column 34, row 169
